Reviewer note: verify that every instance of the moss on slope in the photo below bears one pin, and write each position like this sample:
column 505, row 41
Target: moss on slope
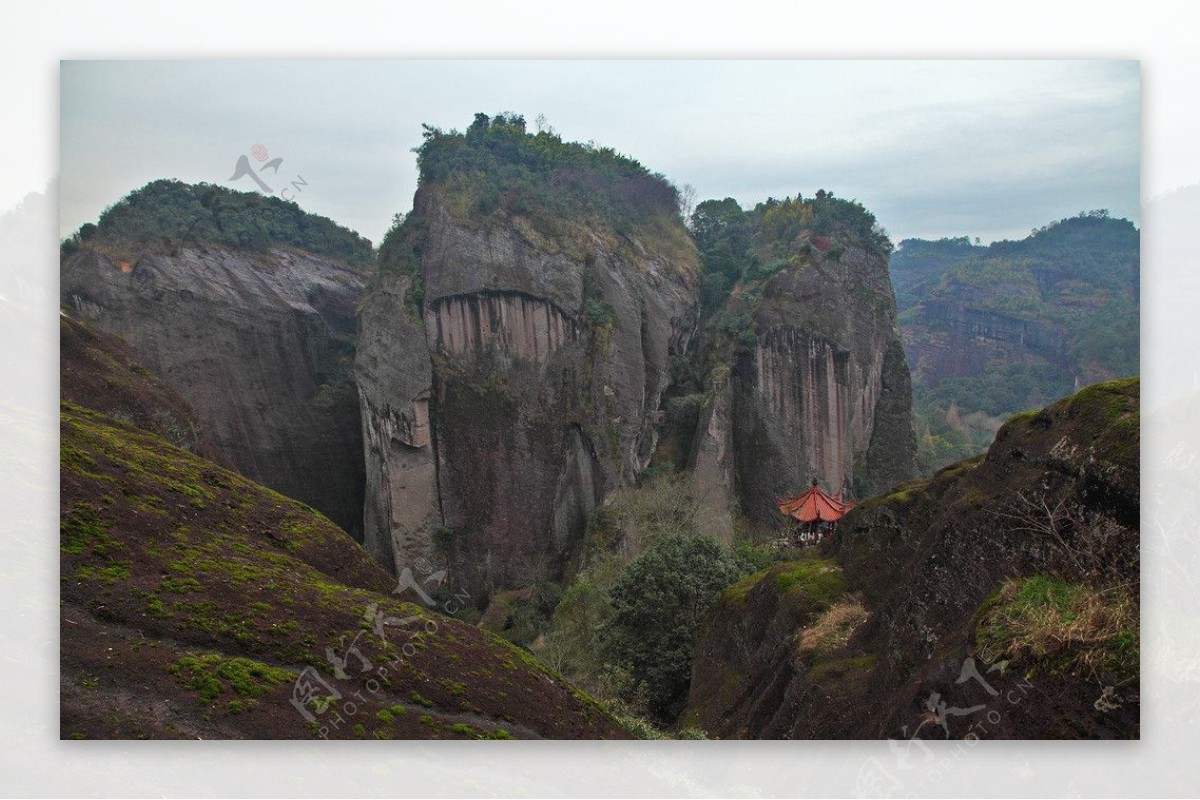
column 193, row 600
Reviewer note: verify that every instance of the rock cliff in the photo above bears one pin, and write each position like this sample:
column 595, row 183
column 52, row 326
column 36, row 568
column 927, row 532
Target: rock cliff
column 534, row 360
column 394, row 375
column 96, row 369
column 259, row 342
column 808, row 378
column 998, row 599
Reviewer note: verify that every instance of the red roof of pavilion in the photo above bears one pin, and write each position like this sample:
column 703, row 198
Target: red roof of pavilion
column 815, row 505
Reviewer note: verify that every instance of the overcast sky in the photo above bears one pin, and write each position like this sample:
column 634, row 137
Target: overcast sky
column 933, row 148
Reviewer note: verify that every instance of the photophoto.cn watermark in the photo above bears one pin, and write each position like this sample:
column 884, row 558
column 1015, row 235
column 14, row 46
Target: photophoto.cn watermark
column 329, row 701
column 917, row 768
column 244, row 169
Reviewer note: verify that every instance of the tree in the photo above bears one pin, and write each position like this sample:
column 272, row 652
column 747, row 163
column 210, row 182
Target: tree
column 658, row 604
column 478, row 127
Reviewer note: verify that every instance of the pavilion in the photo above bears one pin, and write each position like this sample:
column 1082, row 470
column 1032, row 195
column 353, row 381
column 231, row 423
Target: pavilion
column 816, row 511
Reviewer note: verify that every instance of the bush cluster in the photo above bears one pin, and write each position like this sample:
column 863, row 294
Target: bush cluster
column 171, row 213
column 495, row 168
column 739, row 245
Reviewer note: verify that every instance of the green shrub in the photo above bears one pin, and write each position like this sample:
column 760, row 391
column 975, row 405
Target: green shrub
column 658, row 604
column 749, row 246
column 599, row 313
column 540, row 174
column 209, row 674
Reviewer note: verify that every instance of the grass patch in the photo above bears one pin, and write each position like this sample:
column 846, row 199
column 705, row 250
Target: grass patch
column 906, row 491
column 818, row 579
column 212, row 674
column 738, row 591
column 833, row 629
column 180, row 585
column 1063, row 627
column 81, row 528
column 112, row 573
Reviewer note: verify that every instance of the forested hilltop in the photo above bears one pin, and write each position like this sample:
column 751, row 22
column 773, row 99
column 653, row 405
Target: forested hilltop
column 167, row 214
column 496, row 171
column 990, row 331
column 748, row 257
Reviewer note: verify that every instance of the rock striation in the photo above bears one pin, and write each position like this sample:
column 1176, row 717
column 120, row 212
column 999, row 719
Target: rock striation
column 817, row 387
column 499, row 413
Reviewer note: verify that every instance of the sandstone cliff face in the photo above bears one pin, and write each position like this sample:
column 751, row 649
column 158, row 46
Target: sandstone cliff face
column 714, row 476
column 394, row 378
column 259, row 343
column 954, row 340
column 96, row 368
column 939, row 578
column 536, row 407
column 823, row 392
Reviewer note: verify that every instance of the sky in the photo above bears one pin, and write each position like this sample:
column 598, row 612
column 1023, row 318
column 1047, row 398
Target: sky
column 933, row 148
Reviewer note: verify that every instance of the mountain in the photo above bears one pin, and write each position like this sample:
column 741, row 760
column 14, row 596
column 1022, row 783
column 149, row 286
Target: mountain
column 245, row 305
column 515, row 349
column 802, row 370
column 997, row 599
column 551, row 409
column 917, row 265
column 990, row 331
column 198, row 604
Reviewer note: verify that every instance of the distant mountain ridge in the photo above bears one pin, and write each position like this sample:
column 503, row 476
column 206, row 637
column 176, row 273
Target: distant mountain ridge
column 989, row 331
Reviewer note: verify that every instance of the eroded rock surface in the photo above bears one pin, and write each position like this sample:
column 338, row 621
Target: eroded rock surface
column 260, row 343
column 544, row 362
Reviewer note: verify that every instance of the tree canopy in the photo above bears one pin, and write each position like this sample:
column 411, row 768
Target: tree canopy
column 658, row 604
column 171, row 212
column 739, row 245
column 497, row 169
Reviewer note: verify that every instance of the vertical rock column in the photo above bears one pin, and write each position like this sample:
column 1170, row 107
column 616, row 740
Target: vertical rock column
column 516, row 475
column 791, row 419
column 394, row 381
